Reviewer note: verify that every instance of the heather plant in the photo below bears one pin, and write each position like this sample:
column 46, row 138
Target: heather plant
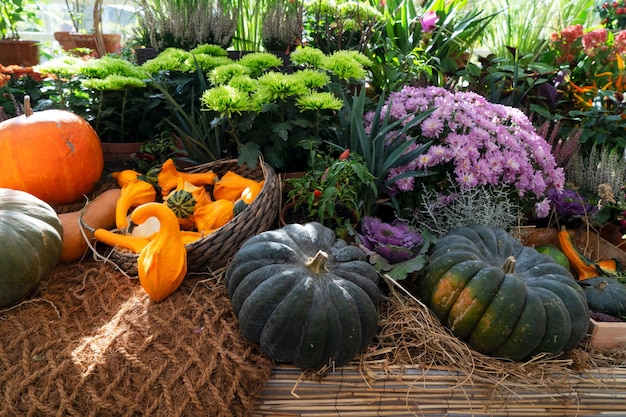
column 601, row 166
column 474, row 143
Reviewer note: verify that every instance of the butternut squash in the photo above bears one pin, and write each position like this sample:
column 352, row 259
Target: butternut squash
column 99, row 213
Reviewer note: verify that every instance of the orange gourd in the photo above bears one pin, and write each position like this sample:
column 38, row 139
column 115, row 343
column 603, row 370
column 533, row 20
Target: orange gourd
column 125, row 176
column 213, row 215
column 99, row 213
column 231, row 186
column 162, row 263
column 134, row 193
column 168, row 177
column 54, row 155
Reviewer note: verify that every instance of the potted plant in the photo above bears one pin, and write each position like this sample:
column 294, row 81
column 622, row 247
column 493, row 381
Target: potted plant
column 14, row 50
column 112, row 94
column 333, row 25
column 333, row 191
column 264, row 112
column 282, row 26
column 187, row 24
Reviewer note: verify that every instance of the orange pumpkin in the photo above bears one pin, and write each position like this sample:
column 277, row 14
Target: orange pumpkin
column 54, row 155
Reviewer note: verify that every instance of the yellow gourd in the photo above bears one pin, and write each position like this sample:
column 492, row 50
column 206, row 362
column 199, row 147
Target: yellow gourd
column 162, row 263
column 125, row 176
column 123, row 241
column 169, row 176
column 231, row 185
column 134, row 193
column 213, row 216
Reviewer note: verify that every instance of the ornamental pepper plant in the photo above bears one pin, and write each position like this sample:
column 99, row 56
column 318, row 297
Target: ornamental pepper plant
column 334, row 190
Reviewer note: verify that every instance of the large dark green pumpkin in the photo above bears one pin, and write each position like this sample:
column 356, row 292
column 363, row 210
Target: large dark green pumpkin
column 605, row 295
column 31, row 237
column 504, row 299
column 303, row 296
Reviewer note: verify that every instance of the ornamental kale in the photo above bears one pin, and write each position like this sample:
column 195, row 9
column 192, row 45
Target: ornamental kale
column 571, row 205
column 477, row 143
column 395, row 248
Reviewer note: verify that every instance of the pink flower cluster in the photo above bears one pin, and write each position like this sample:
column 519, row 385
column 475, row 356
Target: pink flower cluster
column 477, row 143
column 571, row 41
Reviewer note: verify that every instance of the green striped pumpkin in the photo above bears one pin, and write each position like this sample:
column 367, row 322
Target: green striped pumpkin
column 304, row 296
column 31, row 236
column 504, row 299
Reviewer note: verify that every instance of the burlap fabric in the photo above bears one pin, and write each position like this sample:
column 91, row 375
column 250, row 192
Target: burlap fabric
column 91, row 343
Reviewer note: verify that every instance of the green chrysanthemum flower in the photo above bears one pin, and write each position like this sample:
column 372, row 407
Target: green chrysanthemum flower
column 278, row 86
column 357, row 56
column 208, row 49
column 224, row 73
column 319, row 101
column 206, row 62
column 312, row 79
column 105, row 66
column 244, row 83
column 309, row 57
column 225, row 100
column 260, row 62
column 114, row 82
column 63, row 67
column 344, row 67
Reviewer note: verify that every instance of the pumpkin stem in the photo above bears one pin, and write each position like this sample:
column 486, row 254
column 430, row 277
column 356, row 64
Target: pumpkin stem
column 28, row 110
column 509, row 265
column 318, row 263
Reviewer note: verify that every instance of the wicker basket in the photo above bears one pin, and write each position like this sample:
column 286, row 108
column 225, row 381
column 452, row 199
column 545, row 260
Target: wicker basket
column 215, row 250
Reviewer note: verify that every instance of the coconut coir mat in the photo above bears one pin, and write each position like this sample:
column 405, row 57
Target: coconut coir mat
column 91, row 343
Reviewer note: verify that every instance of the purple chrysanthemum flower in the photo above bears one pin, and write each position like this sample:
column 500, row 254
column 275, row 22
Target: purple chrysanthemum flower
column 480, row 143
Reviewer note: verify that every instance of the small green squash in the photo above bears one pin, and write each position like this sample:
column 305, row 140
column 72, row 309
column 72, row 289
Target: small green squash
column 605, row 295
column 304, row 296
column 31, row 236
column 504, row 299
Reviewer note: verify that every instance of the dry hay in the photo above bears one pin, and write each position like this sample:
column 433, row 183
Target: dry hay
column 415, row 367
column 91, row 343
column 410, row 334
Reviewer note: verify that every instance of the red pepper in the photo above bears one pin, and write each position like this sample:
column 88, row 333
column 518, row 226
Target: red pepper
column 317, row 194
column 344, row 155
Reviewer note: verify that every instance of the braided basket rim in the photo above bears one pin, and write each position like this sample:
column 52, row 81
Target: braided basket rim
column 217, row 248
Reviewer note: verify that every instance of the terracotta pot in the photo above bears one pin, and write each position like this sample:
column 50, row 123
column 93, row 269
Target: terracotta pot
column 614, row 233
column 119, row 152
column 112, row 42
column 288, row 216
column 66, row 40
column 19, row 52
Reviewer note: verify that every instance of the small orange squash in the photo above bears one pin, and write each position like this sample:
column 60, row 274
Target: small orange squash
column 231, row 186
column 162, row 263
column 99, row 213
column 54, row 155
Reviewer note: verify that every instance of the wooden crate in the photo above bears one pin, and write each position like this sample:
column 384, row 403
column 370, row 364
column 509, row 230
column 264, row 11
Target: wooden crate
column 603, row 335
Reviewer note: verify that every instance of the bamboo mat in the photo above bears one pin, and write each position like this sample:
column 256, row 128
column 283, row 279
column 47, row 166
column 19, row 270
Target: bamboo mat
column 357, row 391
